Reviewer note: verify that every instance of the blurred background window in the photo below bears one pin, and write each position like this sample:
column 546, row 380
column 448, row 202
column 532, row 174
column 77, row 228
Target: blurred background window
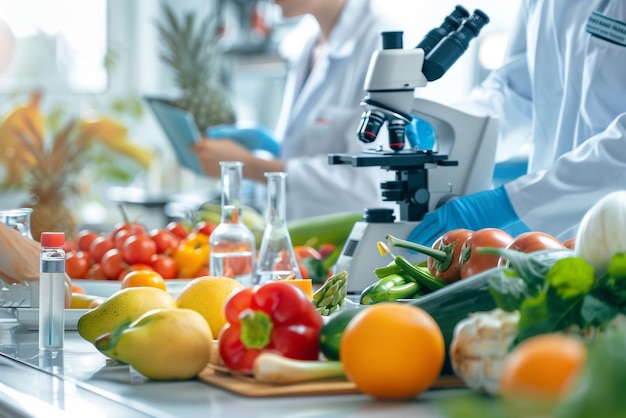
column 57, row 45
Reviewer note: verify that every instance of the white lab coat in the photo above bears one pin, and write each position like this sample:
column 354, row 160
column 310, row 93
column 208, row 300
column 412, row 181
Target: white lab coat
column 320, row 115
column 567, row 90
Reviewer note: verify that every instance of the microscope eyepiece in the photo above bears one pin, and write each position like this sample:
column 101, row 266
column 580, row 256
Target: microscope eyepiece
column 371, row 122
column 392, row 40
column 450, row 24
column 441, row 58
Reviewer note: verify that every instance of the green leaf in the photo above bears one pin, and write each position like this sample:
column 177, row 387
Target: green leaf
column 508, row 291
column 571, row 277
column 617, row 267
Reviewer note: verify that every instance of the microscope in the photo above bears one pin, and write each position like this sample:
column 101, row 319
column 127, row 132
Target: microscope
column 461, row 161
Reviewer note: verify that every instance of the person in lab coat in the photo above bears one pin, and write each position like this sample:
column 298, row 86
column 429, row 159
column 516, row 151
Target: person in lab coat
column 330, row 51
column 562, row 84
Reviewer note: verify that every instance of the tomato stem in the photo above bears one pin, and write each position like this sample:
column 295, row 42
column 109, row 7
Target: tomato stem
column 438, row 255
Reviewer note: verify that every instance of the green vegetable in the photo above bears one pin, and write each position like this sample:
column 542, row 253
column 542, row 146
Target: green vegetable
column 554, row 290
column 454, row 303
column 274, row 368
column 323, row 229
column 421, row 275
column 571, row 277
column 332, row 331
column 331, row 296
column 389, row 288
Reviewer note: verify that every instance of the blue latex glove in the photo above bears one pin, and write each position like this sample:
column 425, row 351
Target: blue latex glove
column 488, row 209
column 420, row 134
column 253, row 138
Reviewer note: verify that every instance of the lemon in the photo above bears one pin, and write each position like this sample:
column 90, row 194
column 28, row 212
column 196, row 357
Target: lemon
column 207, row 295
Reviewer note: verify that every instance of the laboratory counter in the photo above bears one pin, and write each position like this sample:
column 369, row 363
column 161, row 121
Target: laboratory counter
column 80, row 381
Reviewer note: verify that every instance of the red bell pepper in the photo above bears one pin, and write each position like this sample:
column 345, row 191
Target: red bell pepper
column 275, row 317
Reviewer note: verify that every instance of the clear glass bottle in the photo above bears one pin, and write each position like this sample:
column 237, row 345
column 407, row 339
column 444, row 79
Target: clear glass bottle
column 52, row 291
column 277, row 258
column 233, row 246
column 18, row 219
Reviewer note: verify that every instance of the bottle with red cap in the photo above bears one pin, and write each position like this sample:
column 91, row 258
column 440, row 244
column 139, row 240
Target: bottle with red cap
column 52, row 291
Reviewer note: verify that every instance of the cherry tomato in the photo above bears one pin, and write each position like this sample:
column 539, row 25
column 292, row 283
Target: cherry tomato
column 139, row 278
column 122, row 235
column 112, row 264
column 471, row 261
column 451, row 243
column 77, row 265
column 204, row 227
column 95, row 272
column 84, row 238
column 132, row 227
column 178, row 229
column 99, row 246
column 165, row 240
column 165, row 266
column 138, row 249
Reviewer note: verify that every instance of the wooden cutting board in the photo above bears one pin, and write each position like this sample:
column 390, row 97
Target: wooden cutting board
column 247, row 386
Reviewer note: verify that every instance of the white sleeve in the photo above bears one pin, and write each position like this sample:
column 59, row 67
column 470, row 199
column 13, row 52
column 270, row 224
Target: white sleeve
column 556, row 199
column 507, row 91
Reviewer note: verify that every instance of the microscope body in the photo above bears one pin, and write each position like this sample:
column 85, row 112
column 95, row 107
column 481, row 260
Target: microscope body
column 460, row 163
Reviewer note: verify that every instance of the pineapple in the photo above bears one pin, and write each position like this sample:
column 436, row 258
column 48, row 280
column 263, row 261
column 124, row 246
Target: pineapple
column 51, row 172
column 190, row 51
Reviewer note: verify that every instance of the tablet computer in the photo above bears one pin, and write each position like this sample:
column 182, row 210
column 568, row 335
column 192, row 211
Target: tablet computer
column 180, row 129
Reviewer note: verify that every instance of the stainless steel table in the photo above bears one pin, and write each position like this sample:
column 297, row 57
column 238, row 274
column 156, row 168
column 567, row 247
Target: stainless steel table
column 79, row 382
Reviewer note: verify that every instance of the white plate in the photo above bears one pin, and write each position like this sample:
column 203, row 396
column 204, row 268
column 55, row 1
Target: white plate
column 30, row 317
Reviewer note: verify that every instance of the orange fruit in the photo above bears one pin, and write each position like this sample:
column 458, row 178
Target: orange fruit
column 545, row 367
column 207, row 295
column 392, row 350
column 138, row 278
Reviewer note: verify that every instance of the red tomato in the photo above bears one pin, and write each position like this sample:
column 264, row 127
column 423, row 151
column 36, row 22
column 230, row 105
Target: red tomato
column 451, row 243
column 178, row 229
column 138, row 249
column 132, row 227
column 99, row 246
column 84, row 239
column 95, row 272
column 165, row 266
column 204, row 227
column 112, row 264
column 532, row 241
column 471, row 261
column 165, row 240
column 77, row 265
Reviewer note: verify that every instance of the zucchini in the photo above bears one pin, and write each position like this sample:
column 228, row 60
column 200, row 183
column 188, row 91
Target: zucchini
column 324, row 229
column 455, row 302
column 332, row 331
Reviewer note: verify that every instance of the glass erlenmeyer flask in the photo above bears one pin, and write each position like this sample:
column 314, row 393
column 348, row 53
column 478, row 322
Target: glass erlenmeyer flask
column 277, row 258
column 18, row 219
column 233, row 246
